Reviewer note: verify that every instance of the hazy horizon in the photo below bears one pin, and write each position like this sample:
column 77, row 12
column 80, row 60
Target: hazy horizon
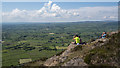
column 59, row 11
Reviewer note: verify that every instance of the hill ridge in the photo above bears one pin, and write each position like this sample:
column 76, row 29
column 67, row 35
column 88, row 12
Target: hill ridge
column 75, row 55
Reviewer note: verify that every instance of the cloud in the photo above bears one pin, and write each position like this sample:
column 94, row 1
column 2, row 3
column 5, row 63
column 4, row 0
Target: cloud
column 51, row 12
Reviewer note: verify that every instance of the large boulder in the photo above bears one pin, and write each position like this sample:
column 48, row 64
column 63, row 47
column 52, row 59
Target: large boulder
column 76, row 61
column 52, row 61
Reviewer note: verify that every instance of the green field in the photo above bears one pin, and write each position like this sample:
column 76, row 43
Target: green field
column 43, row 40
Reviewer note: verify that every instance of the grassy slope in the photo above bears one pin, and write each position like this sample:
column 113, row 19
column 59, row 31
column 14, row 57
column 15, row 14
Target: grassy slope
column 107, row 55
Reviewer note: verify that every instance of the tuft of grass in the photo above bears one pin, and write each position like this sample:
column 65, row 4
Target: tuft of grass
column 77, row 48
column 44, row 58
column 58, row 54
column 88, row 57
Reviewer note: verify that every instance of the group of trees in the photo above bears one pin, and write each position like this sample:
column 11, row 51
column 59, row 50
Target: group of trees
column 47, row 48
column 24, row 46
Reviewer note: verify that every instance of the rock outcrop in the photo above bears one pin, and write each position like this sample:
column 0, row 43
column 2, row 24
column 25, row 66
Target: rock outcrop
column 76, row 61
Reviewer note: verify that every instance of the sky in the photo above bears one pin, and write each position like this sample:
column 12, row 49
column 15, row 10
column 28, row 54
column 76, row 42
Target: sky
column 60, row 0
column 58, row 11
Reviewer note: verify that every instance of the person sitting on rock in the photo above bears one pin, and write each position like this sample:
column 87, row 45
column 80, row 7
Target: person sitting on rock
column 77, row 39
column 80, row 40
column 104, row 35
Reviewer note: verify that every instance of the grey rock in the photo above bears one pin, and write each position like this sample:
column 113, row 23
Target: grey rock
column 75, row 62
